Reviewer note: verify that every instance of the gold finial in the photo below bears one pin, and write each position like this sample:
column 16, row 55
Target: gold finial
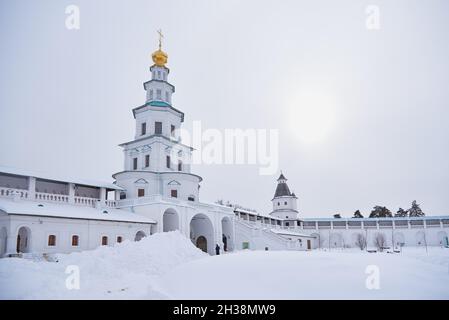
column 159, row 57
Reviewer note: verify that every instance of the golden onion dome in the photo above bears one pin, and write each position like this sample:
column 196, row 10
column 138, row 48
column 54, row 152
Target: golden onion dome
column 159, row 58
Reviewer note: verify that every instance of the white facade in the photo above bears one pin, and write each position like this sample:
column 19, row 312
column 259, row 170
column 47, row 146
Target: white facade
column 157, row 192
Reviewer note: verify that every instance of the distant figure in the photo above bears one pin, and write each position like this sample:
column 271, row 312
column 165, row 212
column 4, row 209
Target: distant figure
column 217, row 250
column 225, row 243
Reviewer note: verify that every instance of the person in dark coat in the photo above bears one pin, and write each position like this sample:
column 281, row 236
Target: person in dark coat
column 217, row 249
column 225, row 243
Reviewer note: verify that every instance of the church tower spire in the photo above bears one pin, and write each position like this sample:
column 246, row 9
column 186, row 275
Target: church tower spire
column 159, row 90
column 156, row 162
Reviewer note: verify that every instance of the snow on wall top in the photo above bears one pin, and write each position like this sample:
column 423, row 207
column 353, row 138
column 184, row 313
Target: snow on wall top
column 44, row 209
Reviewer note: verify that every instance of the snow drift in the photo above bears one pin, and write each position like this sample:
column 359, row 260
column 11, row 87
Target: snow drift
column 127, row 270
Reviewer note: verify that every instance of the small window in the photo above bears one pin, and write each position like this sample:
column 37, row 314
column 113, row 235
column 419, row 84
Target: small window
column 141, row 193
column 174, row 193
column 104, row 241
column 151, row 94
column 147, row 160
column 122, row 195
column 287, row 224
column 75, row 241
column 159, row 74
column 191, row 198
column 166, row 96
column 179, row 165
column 144, row 128
column 168, row 162
column 158, row 94
column 51, row 240
column 172, row 130
column 119, row 239
column 134, row 163
column 158, row 127
column 285, row 203
column 279, row 204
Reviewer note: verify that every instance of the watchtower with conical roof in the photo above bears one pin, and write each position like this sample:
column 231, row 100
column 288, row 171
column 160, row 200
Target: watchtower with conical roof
column 284, row 202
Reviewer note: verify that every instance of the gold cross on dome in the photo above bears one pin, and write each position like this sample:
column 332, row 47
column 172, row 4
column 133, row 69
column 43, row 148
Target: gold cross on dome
column 160, row 38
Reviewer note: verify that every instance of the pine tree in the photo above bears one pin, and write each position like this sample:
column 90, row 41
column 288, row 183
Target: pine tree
column 401, row 213
column 415, row 210
column 357, row 214
column 380, row 212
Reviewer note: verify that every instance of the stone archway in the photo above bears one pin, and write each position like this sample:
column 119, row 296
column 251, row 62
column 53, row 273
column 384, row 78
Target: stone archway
column 227, row 234
column 139, row 236
column 23, row 243
column 170, row 220
column 420, row 238
column 201, row 226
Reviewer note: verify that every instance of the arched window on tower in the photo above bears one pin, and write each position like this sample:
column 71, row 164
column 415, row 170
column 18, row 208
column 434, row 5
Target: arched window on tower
column 104, row 241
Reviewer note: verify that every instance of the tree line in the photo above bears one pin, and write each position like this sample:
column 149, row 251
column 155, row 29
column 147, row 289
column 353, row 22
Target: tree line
column 384, row 212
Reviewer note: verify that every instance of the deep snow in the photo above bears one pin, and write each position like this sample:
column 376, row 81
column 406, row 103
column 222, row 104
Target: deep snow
column 127, row 270
column 167, row 265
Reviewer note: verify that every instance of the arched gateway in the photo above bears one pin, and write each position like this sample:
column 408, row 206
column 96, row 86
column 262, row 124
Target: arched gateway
column 202, row 233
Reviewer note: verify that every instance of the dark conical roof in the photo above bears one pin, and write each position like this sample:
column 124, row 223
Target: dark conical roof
column 282, row 187
column 282, row 177
column 282, row 190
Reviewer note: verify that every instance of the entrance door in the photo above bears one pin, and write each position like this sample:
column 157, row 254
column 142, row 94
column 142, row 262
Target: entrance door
column 309, row 245
column 201, row 243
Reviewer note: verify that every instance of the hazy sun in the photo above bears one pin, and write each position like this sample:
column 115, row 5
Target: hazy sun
column 311, row 115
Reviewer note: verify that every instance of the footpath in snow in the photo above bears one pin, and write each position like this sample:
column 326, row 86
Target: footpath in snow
column 169, row 266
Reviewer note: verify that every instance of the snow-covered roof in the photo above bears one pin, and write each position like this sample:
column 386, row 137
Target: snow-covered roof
column 33, row 208
column 291, row 233
column 41, row 175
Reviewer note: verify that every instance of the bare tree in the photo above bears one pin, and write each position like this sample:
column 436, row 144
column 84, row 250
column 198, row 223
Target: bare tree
column 380, row 241
column 360, row 241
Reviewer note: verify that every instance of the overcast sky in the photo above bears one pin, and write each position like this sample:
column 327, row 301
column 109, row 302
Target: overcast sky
column 374, row 103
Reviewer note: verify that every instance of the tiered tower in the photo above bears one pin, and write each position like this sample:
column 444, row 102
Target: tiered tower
column 156, row 162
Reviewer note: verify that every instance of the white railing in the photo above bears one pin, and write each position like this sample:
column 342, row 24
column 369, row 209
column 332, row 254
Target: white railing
column 90, row 202
column 110, row 203
column 11, row 192
column 42, row 196
column 58, row 198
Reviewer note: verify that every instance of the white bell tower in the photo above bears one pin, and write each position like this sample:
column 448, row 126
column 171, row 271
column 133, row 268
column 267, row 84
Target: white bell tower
column 156, row 162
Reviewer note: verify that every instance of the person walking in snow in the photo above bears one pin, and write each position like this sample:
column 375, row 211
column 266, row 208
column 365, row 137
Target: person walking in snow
column 217, row 250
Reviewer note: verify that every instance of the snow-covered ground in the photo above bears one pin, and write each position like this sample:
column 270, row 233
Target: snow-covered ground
column 167, row 265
